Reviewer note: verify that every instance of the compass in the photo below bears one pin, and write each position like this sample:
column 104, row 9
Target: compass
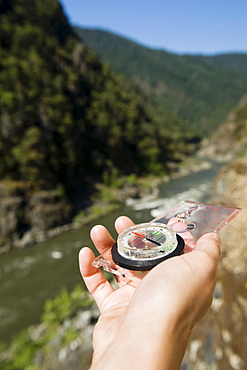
column 143, row 246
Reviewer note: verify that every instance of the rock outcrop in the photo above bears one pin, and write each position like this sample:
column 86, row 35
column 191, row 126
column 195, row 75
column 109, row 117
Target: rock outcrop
column 26, row 215
column 230, row 140
column 219, row 341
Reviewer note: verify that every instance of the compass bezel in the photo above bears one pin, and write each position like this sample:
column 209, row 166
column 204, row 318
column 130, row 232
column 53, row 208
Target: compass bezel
column 144, row 265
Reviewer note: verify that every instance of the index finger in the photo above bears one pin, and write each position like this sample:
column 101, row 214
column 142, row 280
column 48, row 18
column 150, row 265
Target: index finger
column 101, row 238
column 122, row 223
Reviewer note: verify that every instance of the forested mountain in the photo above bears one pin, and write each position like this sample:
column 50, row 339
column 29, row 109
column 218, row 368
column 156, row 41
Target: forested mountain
column 200, row 90
column 229, row 62
column 66, row 120
column 64, row 114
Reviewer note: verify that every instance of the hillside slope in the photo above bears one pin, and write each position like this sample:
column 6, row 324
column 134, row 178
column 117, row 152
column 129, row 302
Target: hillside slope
column 67, row 122
column 230, row 139
column 200, row 90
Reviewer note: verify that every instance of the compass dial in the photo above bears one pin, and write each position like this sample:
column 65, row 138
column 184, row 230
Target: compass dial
column 146, row 245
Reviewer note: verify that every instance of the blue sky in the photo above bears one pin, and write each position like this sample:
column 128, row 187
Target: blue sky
column 182, row 26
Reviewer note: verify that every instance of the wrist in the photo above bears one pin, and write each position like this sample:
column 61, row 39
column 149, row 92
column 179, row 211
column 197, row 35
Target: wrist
column 148, row 346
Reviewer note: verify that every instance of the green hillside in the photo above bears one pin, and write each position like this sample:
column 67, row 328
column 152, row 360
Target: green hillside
column 199, row 90
column 67, row 122
column 229, row 62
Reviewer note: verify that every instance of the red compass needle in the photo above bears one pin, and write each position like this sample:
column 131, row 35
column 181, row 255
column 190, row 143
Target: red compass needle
column 141, row 236
column 145, row 237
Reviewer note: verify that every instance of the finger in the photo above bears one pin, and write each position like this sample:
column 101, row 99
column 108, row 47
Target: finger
column 94, row 280
column 123, row 223
column 101, row 238
column 210, row 243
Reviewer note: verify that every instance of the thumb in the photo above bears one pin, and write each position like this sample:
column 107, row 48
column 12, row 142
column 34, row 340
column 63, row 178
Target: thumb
column 210, row 243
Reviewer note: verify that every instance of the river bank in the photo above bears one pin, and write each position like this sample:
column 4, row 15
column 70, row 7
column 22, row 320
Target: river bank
column 34, row 274
column 51, row 266
column 131, row 192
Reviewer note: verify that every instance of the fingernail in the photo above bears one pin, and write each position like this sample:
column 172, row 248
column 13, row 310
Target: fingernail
column 216, row 237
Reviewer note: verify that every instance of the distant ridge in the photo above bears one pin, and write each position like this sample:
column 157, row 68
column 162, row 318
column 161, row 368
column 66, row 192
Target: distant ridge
column 198, row 89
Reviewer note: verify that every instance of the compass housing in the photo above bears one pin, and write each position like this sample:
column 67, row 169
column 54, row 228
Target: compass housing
column 143, row 246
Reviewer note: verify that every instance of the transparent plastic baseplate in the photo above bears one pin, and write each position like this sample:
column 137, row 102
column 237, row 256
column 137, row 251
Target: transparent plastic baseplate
column 188, row 219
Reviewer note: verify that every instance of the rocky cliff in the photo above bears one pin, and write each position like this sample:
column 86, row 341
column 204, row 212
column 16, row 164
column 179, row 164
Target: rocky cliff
column 230, row 140
column 219, row 341
column 28, row 216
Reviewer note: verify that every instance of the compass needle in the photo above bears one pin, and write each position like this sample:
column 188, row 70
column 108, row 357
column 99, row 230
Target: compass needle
column 143, row 246
column 141, row 236
column 153, row 241
column 146, row 238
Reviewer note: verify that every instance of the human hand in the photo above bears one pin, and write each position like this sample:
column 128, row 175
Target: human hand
column 161, row 310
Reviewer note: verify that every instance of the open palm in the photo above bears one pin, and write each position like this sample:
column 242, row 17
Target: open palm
column 181, row 287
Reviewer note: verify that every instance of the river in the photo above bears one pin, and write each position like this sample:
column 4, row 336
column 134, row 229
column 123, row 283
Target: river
column 32, row 275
